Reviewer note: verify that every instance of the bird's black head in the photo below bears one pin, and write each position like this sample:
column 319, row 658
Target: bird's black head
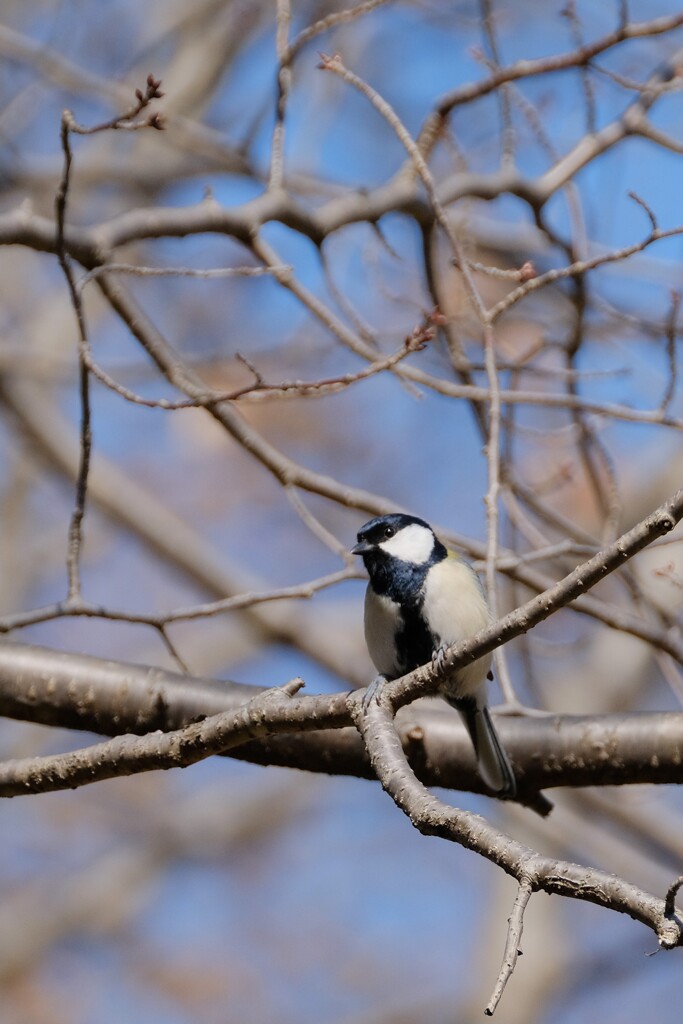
column 397, row 538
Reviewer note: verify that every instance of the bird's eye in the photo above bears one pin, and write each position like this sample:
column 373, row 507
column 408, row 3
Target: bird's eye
column 389, row 531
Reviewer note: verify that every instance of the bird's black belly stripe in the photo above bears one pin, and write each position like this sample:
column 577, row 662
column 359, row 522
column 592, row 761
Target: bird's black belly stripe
column 414, row 642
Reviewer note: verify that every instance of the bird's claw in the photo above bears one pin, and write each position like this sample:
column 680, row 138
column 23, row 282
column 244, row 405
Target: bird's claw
column 373, row 692
column 439, row 657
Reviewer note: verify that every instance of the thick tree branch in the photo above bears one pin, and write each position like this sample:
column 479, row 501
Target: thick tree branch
column 113, row 698
column 131, row 755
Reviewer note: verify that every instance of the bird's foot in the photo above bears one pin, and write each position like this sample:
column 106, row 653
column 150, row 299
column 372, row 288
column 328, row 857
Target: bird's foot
column 439, row 657
column 373, row 692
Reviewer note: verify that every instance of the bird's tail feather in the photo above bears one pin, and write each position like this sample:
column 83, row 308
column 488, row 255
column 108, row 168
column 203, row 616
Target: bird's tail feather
column 493, row 763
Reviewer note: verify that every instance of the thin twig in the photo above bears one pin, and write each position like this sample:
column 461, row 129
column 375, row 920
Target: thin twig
column 577, row 268
column 512, row 943
column 571, row 14
column 208, row 273
column 415, row 342
column 173, row 650
column 284, row 80
column 78, row 608
column 76, row 524
column 670, row 389
column 544, row 65
column 507, row 130
column 330, row 21
column 319, row 531
column 69, row 126
column 671, row 894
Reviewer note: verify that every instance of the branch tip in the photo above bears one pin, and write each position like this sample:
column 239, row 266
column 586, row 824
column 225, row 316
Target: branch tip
column 644, row 206
column 328, row 61
column 512, row 951
column 670, row 898
column 293, row 686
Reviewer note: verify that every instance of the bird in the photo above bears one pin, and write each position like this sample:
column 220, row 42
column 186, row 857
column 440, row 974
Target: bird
column 421, row 598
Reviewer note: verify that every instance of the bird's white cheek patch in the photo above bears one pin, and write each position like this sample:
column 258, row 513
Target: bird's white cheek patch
column 413, row 544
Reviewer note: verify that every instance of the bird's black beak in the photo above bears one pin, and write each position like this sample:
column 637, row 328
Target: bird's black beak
column 361, row 548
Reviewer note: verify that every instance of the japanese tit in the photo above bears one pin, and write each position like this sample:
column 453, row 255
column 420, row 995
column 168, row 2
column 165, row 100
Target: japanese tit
column 420, row 599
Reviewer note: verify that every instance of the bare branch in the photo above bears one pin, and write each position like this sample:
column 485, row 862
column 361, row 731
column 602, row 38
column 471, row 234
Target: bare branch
column 671, row 894
column 512, row 950
column 530, row 68
column 433, row 817
column 105, row 696
column 131, row 755
column 75, row 525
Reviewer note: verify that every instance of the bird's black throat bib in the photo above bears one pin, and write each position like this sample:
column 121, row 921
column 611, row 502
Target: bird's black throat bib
column 403, row 583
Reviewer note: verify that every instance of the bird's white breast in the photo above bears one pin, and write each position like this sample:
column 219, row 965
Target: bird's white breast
column 382, row 620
